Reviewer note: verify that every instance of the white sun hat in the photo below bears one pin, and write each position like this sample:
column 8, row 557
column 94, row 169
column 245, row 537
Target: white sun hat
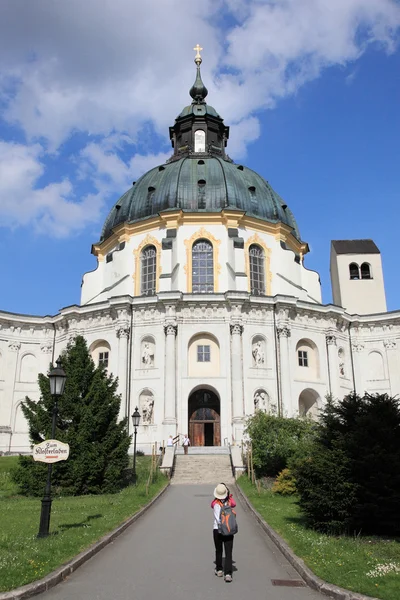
column 221, row 491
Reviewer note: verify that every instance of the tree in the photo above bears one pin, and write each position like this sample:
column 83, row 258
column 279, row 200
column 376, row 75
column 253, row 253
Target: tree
column 275, row 440
column 87, row 420
column 352, row 481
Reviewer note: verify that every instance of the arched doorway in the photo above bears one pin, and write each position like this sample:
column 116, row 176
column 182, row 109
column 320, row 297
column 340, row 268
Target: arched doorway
column 204, row 418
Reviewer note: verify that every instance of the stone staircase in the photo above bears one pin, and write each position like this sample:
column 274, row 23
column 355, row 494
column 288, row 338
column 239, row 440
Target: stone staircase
column 202, row 467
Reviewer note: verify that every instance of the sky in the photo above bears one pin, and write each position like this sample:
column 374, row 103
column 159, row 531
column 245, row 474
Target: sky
column 310, row 90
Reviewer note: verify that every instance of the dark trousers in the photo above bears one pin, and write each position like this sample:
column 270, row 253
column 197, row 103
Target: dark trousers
column 221, row 541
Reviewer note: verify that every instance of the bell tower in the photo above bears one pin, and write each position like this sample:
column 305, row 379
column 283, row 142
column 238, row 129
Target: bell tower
column 357, row 276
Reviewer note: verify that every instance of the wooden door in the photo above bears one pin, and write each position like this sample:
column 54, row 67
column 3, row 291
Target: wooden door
column 197, row 437
column 217, row 433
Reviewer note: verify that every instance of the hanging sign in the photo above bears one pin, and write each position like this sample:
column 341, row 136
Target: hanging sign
column 50, row 451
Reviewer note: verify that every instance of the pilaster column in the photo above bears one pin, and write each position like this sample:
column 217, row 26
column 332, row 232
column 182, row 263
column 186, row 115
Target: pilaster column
column 333, row 365
column 10, row 376
column 285, row 385
column 392, row 361
column 170, row 330
column 359, row 384
column 236, row 369
column 123, row 332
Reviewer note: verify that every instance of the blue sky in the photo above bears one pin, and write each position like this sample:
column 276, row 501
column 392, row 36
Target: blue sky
column 311, row 91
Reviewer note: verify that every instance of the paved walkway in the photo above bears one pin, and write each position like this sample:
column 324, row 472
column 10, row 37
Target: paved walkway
column 168, row 554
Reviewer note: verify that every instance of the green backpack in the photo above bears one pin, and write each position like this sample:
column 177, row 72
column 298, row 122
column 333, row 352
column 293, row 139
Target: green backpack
column 227, row 521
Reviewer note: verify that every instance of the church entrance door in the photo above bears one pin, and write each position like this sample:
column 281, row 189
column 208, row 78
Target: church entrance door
column 204, row 418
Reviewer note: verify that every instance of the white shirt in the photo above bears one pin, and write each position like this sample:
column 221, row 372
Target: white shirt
column 170, row 442
column 186, row 441
column 217, row 514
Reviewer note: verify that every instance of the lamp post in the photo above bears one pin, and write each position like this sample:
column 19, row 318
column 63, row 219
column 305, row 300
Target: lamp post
column 135, row 421
column 57, row 379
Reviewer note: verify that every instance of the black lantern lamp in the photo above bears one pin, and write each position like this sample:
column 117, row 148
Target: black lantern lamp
column 135, row 421
column 57, row 378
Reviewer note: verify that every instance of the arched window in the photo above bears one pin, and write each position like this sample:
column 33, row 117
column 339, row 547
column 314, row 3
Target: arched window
column 365, row 271
column 199, row 141
column 354, row 271
column 257, row 270
column 148, row 274
column 202, row 267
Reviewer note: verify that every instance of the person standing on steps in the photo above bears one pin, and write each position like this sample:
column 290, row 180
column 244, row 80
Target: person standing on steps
column 221, row 542
column 186, row 443
column 170, row 441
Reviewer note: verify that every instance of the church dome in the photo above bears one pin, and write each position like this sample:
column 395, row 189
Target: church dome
column 199, row 184
column 200, row 176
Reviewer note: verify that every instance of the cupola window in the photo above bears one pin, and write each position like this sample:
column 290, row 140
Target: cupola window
column 354, row 271
column 199, row 141
column 202, row 267
column 148, row 271
column 257, row 270
column 365, row 271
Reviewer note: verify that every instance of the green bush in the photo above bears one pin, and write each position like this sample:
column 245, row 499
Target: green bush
column 285, row 483
column 88, row 421
column 276, row 440
column 352, row 481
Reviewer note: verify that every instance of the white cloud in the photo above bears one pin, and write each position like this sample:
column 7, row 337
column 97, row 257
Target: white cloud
column 52, row 208
column 109, row 67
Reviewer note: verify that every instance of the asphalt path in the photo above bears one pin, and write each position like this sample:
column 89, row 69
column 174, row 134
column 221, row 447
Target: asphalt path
column 168, row 554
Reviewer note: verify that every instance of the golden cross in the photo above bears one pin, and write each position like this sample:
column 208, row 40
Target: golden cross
column 197, row 49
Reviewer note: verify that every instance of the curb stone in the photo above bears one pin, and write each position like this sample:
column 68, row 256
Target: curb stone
column 305, row 572
column 52, row 579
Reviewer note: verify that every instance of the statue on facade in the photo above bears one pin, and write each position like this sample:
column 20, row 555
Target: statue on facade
column 258, row 354
column 147, row 355
column 261, row 400
column 147, row 410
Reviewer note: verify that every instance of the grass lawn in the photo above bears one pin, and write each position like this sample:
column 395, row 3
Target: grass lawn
column 76, row 523
column 353, row 563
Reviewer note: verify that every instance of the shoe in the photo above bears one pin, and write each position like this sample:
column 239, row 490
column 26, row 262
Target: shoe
column 228, row 578
column 218, row 573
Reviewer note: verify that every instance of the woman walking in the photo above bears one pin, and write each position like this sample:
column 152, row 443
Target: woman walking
column 222, row 542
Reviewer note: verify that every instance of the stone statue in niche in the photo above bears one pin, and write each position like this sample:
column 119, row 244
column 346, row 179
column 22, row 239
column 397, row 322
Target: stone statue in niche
column 148, row 355
column 261, row 400
column 147, row 404
column 258, row 354
column 342, row 372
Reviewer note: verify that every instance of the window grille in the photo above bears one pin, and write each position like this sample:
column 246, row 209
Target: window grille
column 149, row 266
column 303, row 358
column 203, row 354
column 354, row 271
column 103, row 359
column 365, row 271
column 257, row 270
column 202, row 267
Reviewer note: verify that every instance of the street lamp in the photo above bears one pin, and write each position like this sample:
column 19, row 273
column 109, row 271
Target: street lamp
column 135, row 421
column 57, row 379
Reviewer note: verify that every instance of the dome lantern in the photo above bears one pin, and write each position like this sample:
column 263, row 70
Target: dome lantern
column 199, row 129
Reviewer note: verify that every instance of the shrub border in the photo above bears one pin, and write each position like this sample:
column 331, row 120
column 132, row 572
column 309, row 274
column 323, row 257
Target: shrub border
column 305, row 572
column 57, row 576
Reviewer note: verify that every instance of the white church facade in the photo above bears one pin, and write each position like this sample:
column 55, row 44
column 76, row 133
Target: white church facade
column 202, row 306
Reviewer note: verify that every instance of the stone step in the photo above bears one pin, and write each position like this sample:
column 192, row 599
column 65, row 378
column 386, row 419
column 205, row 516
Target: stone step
column 208, row 450
column 199, row 468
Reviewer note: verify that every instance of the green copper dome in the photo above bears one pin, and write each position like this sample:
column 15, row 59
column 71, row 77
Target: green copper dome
column 194, row 184
column 199, row 177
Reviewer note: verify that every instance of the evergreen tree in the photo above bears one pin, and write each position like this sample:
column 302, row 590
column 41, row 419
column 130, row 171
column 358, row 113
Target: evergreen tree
column 87, row 420
column 351, row 482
